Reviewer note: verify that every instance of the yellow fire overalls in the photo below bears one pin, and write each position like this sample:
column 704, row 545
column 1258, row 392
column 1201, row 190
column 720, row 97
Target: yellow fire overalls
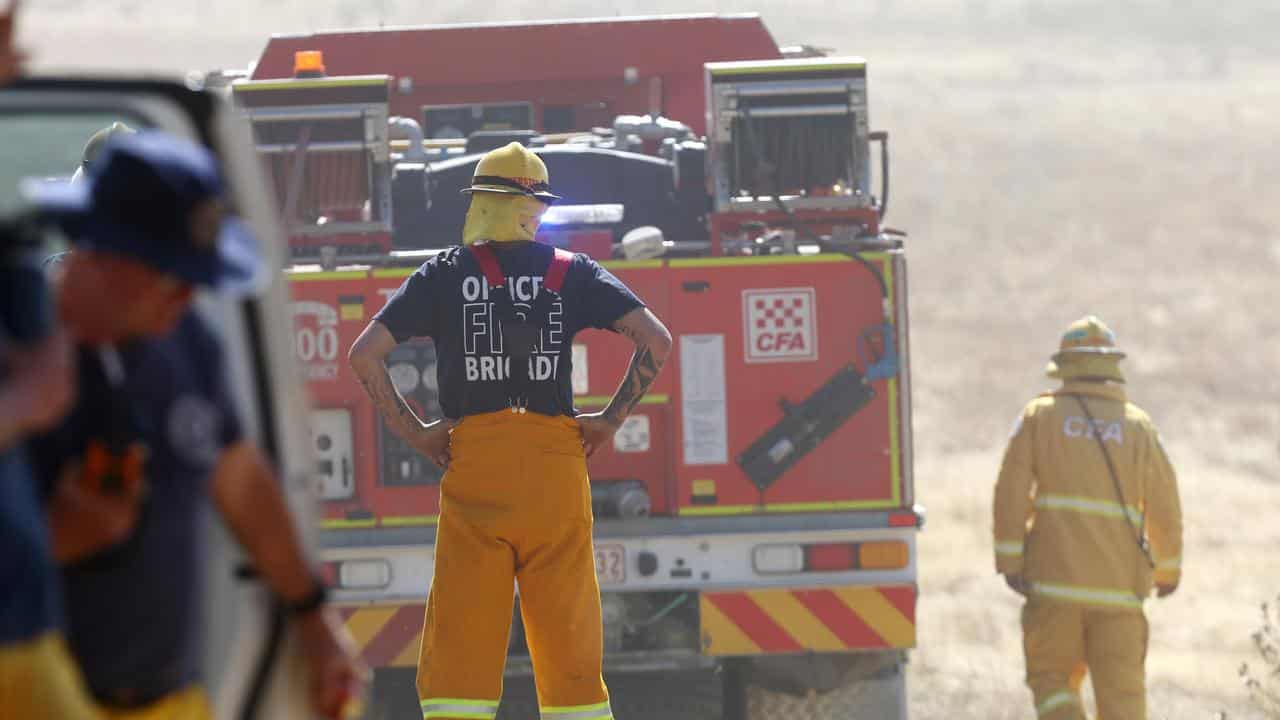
column 515, row 507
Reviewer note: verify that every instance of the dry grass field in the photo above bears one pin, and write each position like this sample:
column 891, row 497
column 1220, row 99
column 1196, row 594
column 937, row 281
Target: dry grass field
column 1050, row 159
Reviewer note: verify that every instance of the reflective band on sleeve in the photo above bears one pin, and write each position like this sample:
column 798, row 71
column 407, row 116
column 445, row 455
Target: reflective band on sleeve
column 1055, row 701
column 1093, row 596
column 1173, row 563
column 598, row 711
column 459, row 708
column 1089, row 506
column 1012, row 548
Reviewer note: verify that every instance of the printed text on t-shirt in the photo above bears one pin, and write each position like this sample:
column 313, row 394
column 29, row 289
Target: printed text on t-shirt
column 482, row 331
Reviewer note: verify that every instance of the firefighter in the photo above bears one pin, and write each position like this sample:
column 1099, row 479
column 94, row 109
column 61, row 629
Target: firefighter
column 1087, row 520
column 154, row 435
column 515, row 499
column 93, row 146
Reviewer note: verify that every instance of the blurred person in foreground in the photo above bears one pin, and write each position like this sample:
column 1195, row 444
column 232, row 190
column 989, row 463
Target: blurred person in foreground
column 515, row 501
column 38, row 678
column 1087, row 520
column 153, row 434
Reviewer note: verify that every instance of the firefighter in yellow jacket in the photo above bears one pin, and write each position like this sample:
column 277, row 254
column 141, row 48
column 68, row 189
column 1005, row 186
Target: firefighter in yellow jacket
column 515, row 499
column 1087, row 520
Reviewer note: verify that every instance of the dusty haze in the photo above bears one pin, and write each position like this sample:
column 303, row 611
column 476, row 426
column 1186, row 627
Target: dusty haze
column 1051, row 158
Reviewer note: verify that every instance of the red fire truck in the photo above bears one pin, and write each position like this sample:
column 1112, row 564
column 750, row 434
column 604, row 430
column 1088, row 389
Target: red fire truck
column 755, row 518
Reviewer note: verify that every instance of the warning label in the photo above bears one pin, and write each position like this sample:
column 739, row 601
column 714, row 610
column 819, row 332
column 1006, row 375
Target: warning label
column 780, row 325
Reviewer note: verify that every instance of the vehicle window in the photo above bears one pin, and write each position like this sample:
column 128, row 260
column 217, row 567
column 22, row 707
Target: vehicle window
column 47, row 146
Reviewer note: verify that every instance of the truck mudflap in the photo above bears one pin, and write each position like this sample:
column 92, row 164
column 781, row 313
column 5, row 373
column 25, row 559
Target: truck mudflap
column 795, row 620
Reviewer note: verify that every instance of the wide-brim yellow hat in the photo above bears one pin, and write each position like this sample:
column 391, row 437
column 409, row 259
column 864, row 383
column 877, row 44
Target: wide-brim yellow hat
column 1088, row 349
column 512, row 170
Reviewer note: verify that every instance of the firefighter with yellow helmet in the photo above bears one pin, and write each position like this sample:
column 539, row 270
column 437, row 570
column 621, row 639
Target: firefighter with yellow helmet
column 515, row 505
column 1087, row 519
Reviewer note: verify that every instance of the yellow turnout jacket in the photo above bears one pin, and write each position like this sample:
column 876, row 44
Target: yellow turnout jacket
column 1059, row 520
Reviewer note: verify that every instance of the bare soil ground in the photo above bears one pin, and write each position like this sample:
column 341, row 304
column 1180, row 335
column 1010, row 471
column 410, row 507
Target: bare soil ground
column 1050, row 159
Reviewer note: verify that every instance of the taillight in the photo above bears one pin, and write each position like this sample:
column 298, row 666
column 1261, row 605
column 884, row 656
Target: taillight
column 773, row 559
column 904, row 519
column 891, row 555
column 778, row 558
column 827, row 558
column 363, row 574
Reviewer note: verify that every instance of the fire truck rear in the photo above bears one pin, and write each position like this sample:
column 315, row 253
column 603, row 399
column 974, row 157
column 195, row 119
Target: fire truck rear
column 755, row 518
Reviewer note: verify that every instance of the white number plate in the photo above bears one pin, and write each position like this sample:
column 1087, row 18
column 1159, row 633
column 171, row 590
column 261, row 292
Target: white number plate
column 611, row 564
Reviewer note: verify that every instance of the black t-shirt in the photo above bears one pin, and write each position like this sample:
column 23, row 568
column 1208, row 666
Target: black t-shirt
column 133, row 613
column 447, row 300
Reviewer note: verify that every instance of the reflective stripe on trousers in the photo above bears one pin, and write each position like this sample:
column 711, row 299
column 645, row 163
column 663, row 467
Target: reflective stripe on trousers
column 1011, row 548
column 598, row 711
column 459, row 708
column 1055, row 701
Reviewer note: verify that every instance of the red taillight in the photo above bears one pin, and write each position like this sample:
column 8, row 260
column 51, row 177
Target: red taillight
column 903, row 519
column 835, row 556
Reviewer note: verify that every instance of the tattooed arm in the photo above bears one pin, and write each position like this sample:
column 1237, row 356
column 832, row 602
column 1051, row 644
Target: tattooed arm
column 368, row 359
column 653, row 345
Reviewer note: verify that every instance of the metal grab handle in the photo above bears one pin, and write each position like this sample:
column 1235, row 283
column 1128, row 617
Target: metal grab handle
column 882, row 137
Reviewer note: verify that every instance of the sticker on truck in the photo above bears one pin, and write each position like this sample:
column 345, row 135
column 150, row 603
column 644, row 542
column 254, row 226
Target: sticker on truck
column 779, row 325
column 611, row 564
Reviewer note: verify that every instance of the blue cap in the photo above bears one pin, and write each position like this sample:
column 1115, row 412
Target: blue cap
column 157, row 199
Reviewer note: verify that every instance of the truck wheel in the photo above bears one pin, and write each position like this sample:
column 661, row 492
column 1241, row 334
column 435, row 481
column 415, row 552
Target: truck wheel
column 873, row 689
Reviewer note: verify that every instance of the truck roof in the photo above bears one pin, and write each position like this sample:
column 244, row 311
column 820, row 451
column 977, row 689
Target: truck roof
column 613, row 60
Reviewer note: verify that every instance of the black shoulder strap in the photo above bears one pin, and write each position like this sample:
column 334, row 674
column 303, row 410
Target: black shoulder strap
column 521, row 331
column 1141, row 529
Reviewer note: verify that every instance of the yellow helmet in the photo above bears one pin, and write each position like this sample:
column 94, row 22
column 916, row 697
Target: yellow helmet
column 512, row 170
column 1088, row 349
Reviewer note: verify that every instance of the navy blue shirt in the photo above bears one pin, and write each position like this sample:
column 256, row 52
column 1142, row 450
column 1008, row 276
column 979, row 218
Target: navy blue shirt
column 29, row 602
column 133, row 612
column 447, row 300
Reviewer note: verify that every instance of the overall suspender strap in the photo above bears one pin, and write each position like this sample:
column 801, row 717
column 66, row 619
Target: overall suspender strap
column 553, row 280
column 521, row 334
column 488, row 261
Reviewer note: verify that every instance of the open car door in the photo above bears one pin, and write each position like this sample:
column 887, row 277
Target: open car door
column 251, row 669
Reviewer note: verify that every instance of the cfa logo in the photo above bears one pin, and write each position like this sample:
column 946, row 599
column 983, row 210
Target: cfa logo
column 780, row 325
column 1080, row 427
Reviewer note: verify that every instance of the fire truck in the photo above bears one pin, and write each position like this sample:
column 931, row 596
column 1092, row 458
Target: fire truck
column 755, row 518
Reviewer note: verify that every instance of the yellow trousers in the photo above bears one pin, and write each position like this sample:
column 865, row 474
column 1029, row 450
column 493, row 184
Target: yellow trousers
column 1062, row 641
column 515, row 507
column 187, row 704
column 39, row 679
